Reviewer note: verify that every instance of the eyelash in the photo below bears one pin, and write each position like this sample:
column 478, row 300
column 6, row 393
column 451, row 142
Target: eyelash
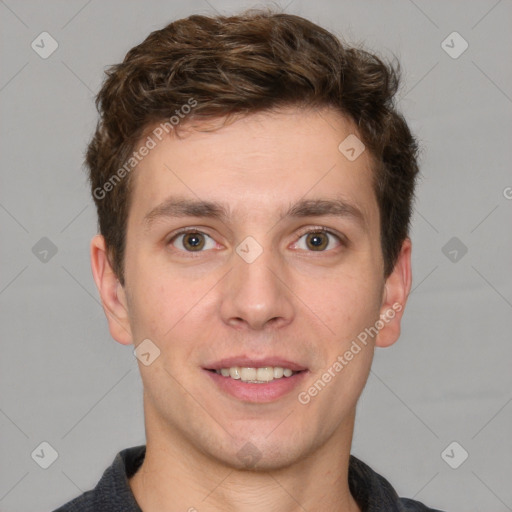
column 317, row 229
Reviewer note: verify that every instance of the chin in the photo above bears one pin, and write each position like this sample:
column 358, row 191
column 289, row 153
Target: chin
column 260, row 453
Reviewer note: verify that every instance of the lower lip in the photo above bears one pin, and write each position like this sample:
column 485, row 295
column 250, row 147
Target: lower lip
column 257, row 393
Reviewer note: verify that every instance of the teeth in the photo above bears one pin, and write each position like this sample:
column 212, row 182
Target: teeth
column 265, row 374
column 256, row 375
column 278, row 372
column 247, row 374
column 234, row 372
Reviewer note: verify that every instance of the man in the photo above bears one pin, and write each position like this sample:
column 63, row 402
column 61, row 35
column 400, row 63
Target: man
column 253, row 183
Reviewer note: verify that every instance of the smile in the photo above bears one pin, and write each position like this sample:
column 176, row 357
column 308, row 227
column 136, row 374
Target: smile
column 260, row 375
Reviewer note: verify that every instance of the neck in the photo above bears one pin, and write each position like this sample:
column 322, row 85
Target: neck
column 176, row 477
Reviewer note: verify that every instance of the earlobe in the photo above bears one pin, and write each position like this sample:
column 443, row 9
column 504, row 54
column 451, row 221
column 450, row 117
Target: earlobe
column 112, row 293
column 396, row 292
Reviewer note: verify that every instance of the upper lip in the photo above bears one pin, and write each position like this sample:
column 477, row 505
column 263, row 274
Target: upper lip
column 252, row 362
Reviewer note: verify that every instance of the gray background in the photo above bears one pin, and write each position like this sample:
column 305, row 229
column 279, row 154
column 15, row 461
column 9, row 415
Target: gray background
column 66, row 382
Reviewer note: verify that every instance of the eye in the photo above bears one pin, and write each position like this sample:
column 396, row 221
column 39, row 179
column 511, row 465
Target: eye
column 319, row 240
column 192, row 241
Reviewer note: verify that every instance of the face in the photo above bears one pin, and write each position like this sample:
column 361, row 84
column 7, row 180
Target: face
column 253, row 251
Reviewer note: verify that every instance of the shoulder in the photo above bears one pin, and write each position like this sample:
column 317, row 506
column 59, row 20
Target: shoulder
column 409, row 505
column 113, row 492
column 374, row 493
column 83, row 503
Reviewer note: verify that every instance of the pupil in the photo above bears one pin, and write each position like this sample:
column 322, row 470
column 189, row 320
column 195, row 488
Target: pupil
column 194, row 240
column 317, row 240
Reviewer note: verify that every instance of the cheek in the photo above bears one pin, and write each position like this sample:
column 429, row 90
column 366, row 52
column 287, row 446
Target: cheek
column 346, row 304
column 154, row 295
column 169, row 307
column 153, row 306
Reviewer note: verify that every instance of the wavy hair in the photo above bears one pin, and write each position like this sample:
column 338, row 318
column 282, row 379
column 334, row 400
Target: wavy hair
column 256, row 61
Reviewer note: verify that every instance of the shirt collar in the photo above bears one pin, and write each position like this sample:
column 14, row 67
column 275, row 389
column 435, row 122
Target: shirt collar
column 372, row 492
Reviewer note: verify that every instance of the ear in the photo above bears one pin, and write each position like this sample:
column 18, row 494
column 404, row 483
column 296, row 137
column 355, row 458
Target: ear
column 112, row 293
column 396, row 292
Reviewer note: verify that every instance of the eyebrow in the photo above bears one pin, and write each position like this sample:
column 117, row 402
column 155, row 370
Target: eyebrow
column 182, row 207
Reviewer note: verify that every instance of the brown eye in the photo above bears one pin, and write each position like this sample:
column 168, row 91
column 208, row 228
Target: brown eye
column 192, row 241
column 317, row 241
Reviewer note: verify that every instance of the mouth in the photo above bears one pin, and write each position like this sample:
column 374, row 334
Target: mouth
column 256, row 381
column 254, row 375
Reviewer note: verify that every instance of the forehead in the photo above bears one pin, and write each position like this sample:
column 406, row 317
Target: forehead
column 257, row 164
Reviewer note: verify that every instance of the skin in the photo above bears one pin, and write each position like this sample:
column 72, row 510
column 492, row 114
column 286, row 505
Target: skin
column 293, row 301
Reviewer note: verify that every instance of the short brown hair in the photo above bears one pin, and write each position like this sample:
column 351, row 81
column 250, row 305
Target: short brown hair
column 256, row 61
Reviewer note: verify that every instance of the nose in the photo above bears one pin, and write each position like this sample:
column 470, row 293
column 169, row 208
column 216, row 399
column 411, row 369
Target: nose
column 257, row 295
